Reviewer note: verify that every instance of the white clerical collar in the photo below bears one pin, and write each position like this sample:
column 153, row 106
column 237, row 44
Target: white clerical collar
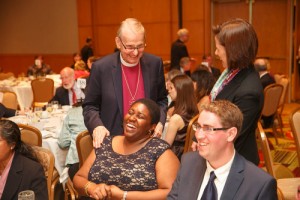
column 127, row 64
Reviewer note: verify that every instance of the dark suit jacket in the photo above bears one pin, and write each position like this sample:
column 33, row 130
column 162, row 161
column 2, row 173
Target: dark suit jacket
column 245, row 91
column 25, row 174
column 244, row 181
column 6, row 112
column 103, row 104
column 62, row 96
column 178, row 51
column 267, row 79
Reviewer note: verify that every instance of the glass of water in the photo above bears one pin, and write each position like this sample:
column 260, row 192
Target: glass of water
column 26, row 195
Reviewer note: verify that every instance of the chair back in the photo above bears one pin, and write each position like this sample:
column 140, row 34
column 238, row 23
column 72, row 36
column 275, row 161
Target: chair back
column 295, row 125
column 84, row 145
column 277, row 170
column 6, row 75
column 10, row 100
column 282, row 80
column 265, row 149
column 272, row 95
column 46, row 159
column 43, row 91
column 30, row 135
column 189, row 135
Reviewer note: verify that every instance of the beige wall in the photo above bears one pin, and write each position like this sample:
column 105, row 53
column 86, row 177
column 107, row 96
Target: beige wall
column 38, row 27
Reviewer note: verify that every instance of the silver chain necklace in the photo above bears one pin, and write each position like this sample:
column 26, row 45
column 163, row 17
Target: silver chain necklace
column 136, row 89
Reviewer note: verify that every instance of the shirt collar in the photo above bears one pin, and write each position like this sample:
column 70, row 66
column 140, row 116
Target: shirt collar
column 223, row 171
column 127, row 64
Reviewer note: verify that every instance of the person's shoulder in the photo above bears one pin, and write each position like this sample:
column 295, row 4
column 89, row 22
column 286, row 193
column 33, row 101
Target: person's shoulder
column 150, row 56
column 253, row 171
column 28, row 164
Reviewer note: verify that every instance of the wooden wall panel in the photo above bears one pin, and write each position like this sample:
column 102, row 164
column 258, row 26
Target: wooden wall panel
column 19, row 63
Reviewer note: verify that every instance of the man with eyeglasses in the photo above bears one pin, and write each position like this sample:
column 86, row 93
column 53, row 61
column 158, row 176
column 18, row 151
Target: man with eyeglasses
column 217, row 171
column 119, row 79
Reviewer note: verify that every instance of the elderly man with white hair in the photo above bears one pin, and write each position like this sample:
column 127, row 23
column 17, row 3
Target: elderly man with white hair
column 68, row 93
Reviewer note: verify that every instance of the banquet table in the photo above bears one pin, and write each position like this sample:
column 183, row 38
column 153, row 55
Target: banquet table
column 50, row 128
column 22, row 88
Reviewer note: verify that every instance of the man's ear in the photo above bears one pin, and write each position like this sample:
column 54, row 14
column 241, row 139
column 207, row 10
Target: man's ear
column 117, row 40
column 232, row 134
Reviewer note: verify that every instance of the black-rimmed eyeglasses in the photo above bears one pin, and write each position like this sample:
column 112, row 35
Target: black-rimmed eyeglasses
column 132, row 48
column 206, row 129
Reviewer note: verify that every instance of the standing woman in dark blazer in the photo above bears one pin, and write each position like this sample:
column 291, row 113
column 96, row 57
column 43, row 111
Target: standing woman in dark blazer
column 236, row 46
column 19, row 166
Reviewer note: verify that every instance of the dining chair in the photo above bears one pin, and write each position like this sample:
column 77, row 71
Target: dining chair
column 282, row 80
column 10, row 100
column 272, row 95
column 277, row 170
column 84, row 145
column 43, row 91
column 30, row 135
column 190, row 133
column 46, row 159
column 7, row 75
column 295, row 126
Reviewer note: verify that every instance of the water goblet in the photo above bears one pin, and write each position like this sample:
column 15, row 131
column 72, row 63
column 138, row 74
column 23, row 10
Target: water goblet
column 26, row 195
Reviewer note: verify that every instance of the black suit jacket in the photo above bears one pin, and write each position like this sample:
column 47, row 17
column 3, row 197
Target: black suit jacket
column 62, row 96
column 103, row 104
column 178, row 51
column 25, row 174
column 245, row 91
column 244, row 181
column 6, row 112
column 267, row 79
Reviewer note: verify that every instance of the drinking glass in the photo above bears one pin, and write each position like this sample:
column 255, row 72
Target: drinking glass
column 26, row 195
column 49, row 107
column 38, row 111
column 55, row 105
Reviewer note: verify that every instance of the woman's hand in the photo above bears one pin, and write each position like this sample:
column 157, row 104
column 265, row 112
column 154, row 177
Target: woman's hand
column 99, row 191
column 116, row 193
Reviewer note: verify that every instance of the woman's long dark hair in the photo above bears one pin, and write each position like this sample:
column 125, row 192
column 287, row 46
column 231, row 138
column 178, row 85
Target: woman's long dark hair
column 10, row 132
column 205, row 82
column 185, row 103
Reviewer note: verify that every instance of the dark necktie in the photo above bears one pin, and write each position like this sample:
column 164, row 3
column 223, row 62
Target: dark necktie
column 74, row 98
column 210, row 192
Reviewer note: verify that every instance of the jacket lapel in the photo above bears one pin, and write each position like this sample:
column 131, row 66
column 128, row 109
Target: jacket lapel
column 234, row 179
column 14, row 179
column 235, row 83
column 146, row 77
column 117, row 82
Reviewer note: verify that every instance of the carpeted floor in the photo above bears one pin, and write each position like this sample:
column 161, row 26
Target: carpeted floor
column 285, row 151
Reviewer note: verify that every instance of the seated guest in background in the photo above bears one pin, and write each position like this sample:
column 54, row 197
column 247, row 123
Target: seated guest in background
column 68, row 93
column 90, row 61
column 39, row 68
column 76, row 57
column 217, row 171
column 8, row 112
column 170, row 75
column 19, row 166
column 185, row 65
column 262, row 66
column 136, row 168
column 207, row 61
column 80, row 70
column 72, row 126
column 203, row 83
column 181, row 91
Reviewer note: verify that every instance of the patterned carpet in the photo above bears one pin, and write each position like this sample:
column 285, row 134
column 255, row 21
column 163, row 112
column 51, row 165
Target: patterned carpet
column 285, row 151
